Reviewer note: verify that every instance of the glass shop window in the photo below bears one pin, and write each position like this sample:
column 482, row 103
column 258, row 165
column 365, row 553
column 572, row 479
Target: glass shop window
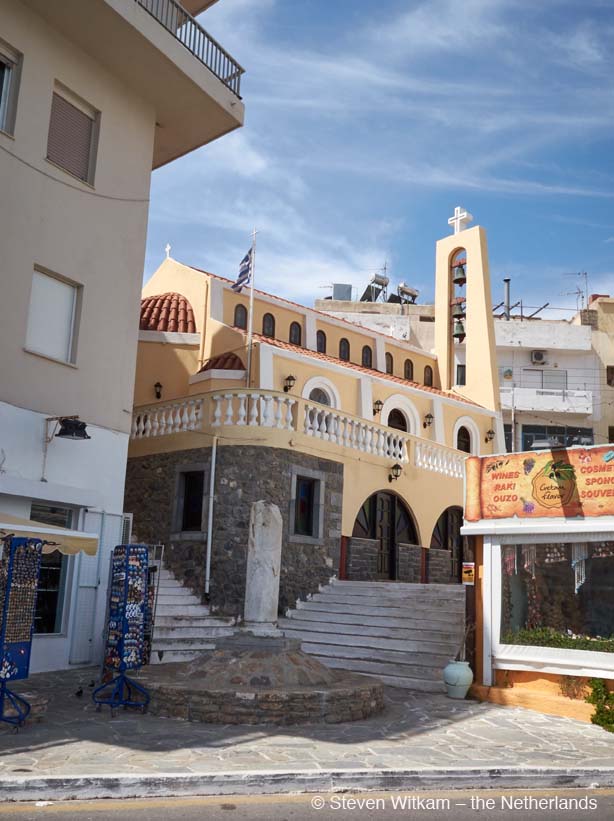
column 50, row 597
column 305, row 507
column 558, row 595
column 192, row 485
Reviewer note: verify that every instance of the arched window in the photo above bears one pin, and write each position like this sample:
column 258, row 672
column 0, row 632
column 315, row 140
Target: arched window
column 367, row 357
column 344, row 350
column 295, row 333
column 463, row 440
column 268, row 325
column 408, row 370
column 389, row 363
column 428, row 376
column 320, row 396
column 397, row 420
column 240, row 320
column 321, row 342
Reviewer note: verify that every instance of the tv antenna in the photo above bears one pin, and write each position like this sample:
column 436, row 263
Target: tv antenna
column 583, row 292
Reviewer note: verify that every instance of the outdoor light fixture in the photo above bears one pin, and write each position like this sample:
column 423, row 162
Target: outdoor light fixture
column 158, row 390
column 289, row 383
column 64, row 427
column 490, row 435
column 377, row 406
column 395, row 472
column 428, row 420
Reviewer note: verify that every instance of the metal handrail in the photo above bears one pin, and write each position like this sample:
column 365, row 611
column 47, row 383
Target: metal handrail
column 199, row 42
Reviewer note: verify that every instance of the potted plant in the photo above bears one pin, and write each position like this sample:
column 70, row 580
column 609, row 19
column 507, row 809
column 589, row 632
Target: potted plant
column 457, row 674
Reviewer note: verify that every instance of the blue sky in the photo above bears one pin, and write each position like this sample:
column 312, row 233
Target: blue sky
column 366, row 123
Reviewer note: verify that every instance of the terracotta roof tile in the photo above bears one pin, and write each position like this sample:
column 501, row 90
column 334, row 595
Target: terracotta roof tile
column 167, row 312
column 224, row 362
column 278, row 343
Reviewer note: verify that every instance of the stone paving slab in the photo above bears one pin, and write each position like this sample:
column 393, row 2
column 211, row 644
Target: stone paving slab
column 419, row 740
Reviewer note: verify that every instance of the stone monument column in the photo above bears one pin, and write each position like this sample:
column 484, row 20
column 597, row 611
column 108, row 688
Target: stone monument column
column 263, row 566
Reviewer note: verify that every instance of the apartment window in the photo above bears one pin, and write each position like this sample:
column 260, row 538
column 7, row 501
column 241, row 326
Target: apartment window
column 51, row 594
column 463, row 440
column 389, row 363
column 428, row 376
column 295, row 333
column 367, row 357
column 268, row 325
column 461, row 374
column 509, row 439
column 609, row 375
column 408, row 370
column 240, row 317
column 53, row 317
column 190, row 501
column 9, row 78
column 321, row 342
column 304, row 506
column 307, row 505
column 72, row 136
column 344, row 350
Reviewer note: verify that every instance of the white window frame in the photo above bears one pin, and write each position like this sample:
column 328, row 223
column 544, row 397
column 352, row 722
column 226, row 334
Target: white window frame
column 324, row 385
column 74, row 319
column 8, row 99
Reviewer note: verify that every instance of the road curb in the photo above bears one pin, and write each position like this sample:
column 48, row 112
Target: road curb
column 263, row 782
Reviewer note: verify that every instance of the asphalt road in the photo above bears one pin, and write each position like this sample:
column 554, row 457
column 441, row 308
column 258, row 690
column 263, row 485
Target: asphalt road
column 575, row 805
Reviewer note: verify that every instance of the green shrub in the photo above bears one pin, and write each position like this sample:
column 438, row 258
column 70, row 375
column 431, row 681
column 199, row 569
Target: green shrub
column 603, row 700
column 548, row 637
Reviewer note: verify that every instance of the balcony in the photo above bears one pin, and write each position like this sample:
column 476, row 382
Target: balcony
column 245, row 416
column 160, row 52
column 193, row 36
column 547, row 400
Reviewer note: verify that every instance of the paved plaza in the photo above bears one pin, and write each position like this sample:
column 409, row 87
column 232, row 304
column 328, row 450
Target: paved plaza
column 416, row 734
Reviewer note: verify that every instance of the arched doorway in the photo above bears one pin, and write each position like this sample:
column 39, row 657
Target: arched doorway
column 447, row 536
column 386, row 519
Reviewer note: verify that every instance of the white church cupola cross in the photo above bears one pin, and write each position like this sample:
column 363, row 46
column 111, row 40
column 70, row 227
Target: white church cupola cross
column 460, row 220
column 167, row 249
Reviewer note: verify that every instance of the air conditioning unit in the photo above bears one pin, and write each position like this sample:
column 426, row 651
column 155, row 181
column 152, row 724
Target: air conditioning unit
column 538, row 357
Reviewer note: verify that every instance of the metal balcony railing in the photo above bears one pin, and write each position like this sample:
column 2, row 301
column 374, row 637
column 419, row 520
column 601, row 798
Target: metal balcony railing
column 193, row 36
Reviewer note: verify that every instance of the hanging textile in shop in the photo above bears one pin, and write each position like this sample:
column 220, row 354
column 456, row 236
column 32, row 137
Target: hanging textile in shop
column 19, row 573
column 579, row 555
column 529, row 557
column 510, row 563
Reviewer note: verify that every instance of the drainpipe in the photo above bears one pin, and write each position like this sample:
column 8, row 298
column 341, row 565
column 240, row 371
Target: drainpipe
column 506, row 291
column 210, row 515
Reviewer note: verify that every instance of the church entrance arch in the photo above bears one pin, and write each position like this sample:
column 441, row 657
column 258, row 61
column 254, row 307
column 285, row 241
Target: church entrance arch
column 386, row 520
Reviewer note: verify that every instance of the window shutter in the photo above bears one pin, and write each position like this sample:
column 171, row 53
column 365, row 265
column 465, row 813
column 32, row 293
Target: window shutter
column 126, row 528
column 69, row 142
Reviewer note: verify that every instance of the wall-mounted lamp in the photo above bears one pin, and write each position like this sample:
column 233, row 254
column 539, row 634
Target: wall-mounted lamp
column 289, row 383
column 428, row 420
column 64, row 427
column 490, row 435
column 158, row 390
column 395, row 471
column 377, row 406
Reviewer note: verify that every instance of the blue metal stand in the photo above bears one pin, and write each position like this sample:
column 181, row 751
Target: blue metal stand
column 121, row 694
column 20, row 706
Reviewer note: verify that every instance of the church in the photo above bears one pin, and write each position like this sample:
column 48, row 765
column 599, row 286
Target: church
column 359, row 438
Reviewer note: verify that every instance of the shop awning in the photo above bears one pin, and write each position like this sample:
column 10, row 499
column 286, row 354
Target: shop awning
column 66, row 541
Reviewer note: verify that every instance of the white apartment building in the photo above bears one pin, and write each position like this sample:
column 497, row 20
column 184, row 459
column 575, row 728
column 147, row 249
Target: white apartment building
column 94, row 94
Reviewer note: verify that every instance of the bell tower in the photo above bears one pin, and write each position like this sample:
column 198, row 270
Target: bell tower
column 463, row 313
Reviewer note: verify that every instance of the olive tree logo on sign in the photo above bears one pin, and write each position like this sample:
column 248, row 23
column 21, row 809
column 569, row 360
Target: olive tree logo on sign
column 555, row 484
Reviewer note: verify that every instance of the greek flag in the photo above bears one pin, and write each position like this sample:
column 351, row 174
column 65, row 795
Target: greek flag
column 245, row 273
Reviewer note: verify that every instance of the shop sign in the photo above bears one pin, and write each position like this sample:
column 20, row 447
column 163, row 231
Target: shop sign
column 567, row 483
column 468, row 574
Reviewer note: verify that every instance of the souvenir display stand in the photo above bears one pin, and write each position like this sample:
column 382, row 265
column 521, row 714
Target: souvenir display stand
column 127, row 617
column 20, row 560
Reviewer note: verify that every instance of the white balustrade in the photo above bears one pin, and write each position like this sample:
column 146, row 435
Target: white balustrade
column 435, row 457
column 159, row 420
column 333, row 426
column 254, row 409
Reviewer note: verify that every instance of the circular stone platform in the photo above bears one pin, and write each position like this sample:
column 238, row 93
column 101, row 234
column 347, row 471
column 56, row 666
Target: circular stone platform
column 260, row 680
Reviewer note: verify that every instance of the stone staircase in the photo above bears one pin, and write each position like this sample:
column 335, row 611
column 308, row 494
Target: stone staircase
column 183, row 626
column 404, row 634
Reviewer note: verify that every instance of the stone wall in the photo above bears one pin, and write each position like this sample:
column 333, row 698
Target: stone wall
column 439, row 566
column 410, row 562
column 362, row 561
column 243, row 476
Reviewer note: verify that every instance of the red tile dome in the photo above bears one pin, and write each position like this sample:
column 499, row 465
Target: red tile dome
column 167, row 312
column 224, row 362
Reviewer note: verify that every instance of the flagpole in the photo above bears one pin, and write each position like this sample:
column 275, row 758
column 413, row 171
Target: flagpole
column 250, row 321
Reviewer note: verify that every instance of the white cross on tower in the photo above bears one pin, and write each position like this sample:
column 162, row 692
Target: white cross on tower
column 167, row 248
column 460, row 220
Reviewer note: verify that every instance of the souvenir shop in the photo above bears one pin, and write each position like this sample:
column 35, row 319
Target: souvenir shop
column 542, row 524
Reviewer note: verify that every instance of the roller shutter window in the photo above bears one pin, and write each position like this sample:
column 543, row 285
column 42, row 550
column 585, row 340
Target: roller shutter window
column 70, row 139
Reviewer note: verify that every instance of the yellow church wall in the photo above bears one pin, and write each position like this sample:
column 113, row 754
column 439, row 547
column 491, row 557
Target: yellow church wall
column 173, row 277
column 454, row 415
column 171, row 364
